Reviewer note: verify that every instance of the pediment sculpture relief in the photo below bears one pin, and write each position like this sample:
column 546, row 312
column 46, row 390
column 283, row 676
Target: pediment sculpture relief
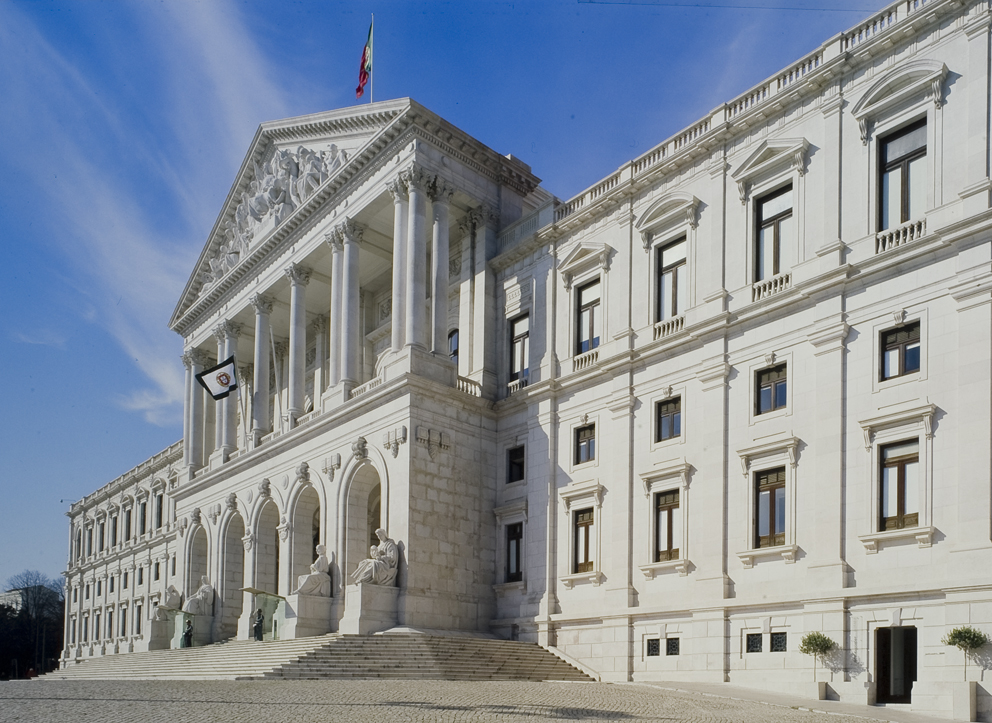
column 280, row 186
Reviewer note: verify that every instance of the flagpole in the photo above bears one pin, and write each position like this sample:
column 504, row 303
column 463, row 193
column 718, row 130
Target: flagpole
column 372, row 60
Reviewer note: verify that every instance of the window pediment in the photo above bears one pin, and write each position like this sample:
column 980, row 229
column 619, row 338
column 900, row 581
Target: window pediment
column 584, row 256
column 771, row 155
column 910, row 80
column 673, row 209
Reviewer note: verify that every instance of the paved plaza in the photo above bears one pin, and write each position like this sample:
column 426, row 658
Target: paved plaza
column 392, row 700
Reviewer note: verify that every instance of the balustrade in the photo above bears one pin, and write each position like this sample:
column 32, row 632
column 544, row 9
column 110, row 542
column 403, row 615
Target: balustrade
column 469, row 386
column 366, row 387
column 769, row 287
column 584, row 361
column 668, row 327
column 900, row 235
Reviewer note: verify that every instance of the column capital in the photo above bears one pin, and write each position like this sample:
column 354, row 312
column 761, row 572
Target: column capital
column 319, row 325
column 280, row 347
column 442, row 190
column 261, row 304
column 484, row 215
column 349, row 231
column 298, row 274
column 195, row 357
column 332, row 240
column 417, row 178
column 397, row 189
column 227, row 330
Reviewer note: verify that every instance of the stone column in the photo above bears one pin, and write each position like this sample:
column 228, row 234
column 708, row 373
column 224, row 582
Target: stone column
column 227, row 334
column 299, row 277
column 334, row 342
column 483, row 370
column 319, row 329
column 351, row 235
column 441, row 198
column 397, row 190
column 195, row 360
column 261, row 424
column 418, row 184
column 187, row 407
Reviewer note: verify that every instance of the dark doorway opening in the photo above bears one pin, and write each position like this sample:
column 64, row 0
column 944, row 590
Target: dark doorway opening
column 895, row 664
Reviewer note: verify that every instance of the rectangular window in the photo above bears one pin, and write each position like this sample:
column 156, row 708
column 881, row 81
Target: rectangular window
column 99, row 588
column 769, row 527
column 753, row 642
column 113, row 530
column 902, row 164
column 777, row 644
column 101, row 536
column 155, row 576
column 137, row 620
column 111, row 583
column 142, row 518
column 123, row 622
column 86, row 629
column 110, row 623
column 900, row 504
column 89, row 541
column 771, row 389
column 158, row 511
column 453, row 346
column 515, row 464
column 141, row 576
column 173, row 565
column 672, row 646
column 86, row 592
column 584, row 541
column 72, row 631
column 585, row 444
column 514, row 540
column 669, row 422
column 75, row 594
column 125, row 581
column 900, row 351
column 127, row 524
column 672, row 281
column 668, row 526
column 654, row 647
column 96, row 626
column 590, row 318
column 520, row 348
column 773, row 234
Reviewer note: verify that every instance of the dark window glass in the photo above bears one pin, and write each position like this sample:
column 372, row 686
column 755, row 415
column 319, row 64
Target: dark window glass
column 137, row 620
column 668, row 526
column 753, row 642
column 111, row 583
column 155, row 576
column 99, row 588
column 769, row 523
column 654, row 647
column 519, row 348
column 453, row 346
column 669, row 423
column 515, row 464
column 113, row 530
column 902, row 193
column 672, row 646
column 772, row 389
column 584, row 540
column 672, row 282
column 773, row 234
column 141, row 576
column 158, row 511
column 585, row 444
column 127, row 525
column 125, row 581
column 100, row 536
column 777, row 642
column 142, row 518
column 173, row 564
column 589, row 318
column 514, row 540
column 900, row 351
column 900, row 488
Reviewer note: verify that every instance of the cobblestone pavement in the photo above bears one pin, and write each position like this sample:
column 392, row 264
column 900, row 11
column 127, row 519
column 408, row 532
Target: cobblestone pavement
column 382, row 701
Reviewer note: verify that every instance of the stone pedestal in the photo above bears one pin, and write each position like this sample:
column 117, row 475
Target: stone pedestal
column 369, row 609
column 161, row 629
column 305, row 615
column 964, row 700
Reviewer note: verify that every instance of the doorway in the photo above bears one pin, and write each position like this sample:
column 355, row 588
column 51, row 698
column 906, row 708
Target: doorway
column 895, row 664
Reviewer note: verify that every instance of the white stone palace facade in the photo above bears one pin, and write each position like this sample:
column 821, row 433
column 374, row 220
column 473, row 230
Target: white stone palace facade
column 736, row 392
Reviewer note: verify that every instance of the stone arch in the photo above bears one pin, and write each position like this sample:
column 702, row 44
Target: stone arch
column 266, row 547
column 197, row 559
column 364, row 487
column 305, row 533
column 232, row 576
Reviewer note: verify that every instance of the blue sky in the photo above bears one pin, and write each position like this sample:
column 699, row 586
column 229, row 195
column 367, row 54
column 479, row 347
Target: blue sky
column 123, row 124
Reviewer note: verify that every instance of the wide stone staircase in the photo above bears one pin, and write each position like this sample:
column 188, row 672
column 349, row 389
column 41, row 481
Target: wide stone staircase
column 413, row 656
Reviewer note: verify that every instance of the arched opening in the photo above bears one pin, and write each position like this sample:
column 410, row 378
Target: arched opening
column 267, row 549
column 364, row 512
column 233, row 577
column 306, row 533
column 197, row 566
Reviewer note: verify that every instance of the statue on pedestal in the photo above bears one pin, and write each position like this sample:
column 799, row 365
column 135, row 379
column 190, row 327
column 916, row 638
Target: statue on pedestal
column 380, row 568
column 202, row 601
column 318, row 582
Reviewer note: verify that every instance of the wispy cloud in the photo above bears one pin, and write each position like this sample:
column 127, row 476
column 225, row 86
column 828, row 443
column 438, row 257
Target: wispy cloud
column 130, row 256
column 40, row 337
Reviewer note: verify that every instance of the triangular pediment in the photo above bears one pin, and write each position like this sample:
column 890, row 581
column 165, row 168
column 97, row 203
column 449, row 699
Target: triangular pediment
column 771, row 156
column 291, row 166
column 583, row 256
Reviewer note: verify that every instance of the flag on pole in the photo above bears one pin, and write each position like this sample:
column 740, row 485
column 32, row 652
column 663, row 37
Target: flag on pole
column 220, row 380
column 365, row 71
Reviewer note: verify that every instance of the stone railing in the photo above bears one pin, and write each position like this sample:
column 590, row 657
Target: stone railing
column 515, row 386
column 870, row 29
column 525, row 227
column 468, row 386
column 669, row 327
column 366, row 387
column 584, row 361
column 747, row 102
column 769, row 287
column 806, row 65
column 900, row 235
column 308, row 417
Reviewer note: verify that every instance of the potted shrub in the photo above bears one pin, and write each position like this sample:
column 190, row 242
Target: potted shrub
column 967, row 640
column 818, row 645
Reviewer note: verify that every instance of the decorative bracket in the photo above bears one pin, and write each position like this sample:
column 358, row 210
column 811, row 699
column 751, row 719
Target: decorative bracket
column 392, row 440
column 331, row 464
column 433, row 440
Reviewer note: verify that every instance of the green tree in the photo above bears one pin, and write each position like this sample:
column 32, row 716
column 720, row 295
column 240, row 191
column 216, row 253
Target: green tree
column 967, row 640
column 818, row 645
column 31, row 623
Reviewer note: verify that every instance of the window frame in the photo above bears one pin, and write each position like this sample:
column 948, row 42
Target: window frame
column 659, row 414
column 589, row 429
column 453, row 350
column 581, row 495
column 661, row 270
column 902, row 519
column 884, row 347
column 595, row 307
column 673, row 477
column 584, row 530
column 780, row 452
column 523, row 340
column 773, row 384
column 509, row 514
column 510, row 464
column 775, row 223
column 514, row 559
column 902, row 163
column 763, row 483
column 669, row 504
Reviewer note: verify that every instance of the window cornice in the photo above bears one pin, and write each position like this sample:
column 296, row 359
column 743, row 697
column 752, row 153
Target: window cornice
column 787, row 154
column 907, row 81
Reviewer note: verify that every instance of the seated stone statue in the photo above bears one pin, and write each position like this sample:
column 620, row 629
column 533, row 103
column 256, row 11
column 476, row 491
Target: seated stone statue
column 380, row 568
column 202, row 601
column 318, row 582
column 172, row 598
